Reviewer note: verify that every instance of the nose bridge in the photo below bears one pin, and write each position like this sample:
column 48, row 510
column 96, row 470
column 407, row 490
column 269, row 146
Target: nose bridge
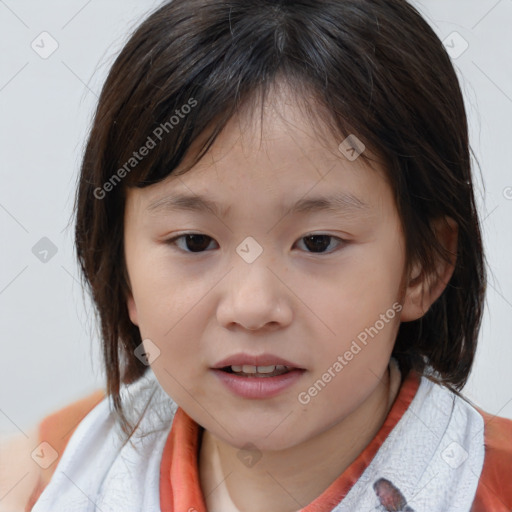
column 254, row 295
column 253, row 262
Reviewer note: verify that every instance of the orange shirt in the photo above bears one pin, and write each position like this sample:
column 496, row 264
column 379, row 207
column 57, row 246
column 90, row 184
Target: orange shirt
column 179, row 473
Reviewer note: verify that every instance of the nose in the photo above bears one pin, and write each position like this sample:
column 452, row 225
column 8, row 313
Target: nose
column 254, row 297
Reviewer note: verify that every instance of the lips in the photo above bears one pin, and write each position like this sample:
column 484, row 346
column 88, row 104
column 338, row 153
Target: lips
column 261, row 387
column 255, row 360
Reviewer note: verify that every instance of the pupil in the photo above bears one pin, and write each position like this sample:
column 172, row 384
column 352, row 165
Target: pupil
column 195, row 237
column 319, row 243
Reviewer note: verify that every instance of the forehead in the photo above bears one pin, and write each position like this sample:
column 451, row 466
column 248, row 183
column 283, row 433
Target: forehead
column 277, row 157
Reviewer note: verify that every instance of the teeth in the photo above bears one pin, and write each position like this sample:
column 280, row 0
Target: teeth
column 247, row 368
column 265, row 369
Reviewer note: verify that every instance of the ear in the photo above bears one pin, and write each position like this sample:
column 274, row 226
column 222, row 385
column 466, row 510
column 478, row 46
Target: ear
column 424, row 289
column 132, row 309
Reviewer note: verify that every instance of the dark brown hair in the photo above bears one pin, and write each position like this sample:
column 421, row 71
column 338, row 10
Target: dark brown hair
column 374, row 68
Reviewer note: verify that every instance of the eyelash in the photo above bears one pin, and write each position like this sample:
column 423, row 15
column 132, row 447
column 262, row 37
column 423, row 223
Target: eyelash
column 172, row 241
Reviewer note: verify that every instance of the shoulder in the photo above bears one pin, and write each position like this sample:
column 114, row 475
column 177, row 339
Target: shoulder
column 125, row 472
column 494, row 490
column 33, row 458
column 18, row 473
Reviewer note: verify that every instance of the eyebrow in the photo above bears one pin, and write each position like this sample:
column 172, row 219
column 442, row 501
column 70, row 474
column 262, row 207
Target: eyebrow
column 340, row 202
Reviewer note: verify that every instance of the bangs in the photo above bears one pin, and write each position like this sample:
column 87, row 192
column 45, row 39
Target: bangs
column 186, row 88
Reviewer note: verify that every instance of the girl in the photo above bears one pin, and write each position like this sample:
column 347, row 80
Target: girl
column 263, row 370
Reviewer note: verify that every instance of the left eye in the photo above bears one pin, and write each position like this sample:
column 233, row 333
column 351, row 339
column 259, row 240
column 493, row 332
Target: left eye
column 197, row 243
column 317, row 242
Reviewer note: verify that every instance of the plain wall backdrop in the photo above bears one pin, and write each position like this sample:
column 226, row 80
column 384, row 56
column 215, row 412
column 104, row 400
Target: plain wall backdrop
column 54, row 58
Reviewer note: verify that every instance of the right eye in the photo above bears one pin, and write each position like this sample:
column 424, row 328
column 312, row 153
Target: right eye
column 193, row 242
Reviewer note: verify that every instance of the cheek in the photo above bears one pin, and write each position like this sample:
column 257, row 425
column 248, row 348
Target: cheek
column 362, row 312
column 162, row 293
column 366, row 286
column 377, row 273
column 169, row 305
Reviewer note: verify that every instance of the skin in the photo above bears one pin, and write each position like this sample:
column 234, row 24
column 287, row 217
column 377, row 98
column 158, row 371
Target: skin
column 304, row 306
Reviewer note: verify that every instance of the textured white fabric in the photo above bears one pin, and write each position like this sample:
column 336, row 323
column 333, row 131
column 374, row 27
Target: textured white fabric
column 97, row 473
column 433, row 458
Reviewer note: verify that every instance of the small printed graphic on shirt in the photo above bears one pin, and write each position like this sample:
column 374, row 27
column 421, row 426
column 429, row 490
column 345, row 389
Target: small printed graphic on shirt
column 390, row 497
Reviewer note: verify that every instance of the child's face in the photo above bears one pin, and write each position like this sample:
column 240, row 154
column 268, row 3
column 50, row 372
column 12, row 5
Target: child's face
column 333, row 312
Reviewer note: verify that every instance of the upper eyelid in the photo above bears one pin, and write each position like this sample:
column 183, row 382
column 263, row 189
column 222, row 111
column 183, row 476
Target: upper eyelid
column 311, row 233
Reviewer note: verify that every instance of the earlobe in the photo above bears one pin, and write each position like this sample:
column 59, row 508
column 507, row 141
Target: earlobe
column 413, row 306
column 132, row 309
column 423, row 288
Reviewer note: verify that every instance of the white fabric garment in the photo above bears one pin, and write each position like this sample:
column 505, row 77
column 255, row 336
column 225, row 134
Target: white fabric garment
column 431, row 460
column 434, row 456
column 97, row 473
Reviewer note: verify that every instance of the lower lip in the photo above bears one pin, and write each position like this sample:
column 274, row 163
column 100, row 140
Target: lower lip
column 258, row 387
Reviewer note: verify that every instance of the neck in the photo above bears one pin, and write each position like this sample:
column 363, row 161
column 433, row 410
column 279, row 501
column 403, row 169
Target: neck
column 274, row 482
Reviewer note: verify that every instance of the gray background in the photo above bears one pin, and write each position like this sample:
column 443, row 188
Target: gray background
column 50, row 346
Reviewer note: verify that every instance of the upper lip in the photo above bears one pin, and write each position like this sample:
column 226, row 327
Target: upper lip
column 255, row 360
